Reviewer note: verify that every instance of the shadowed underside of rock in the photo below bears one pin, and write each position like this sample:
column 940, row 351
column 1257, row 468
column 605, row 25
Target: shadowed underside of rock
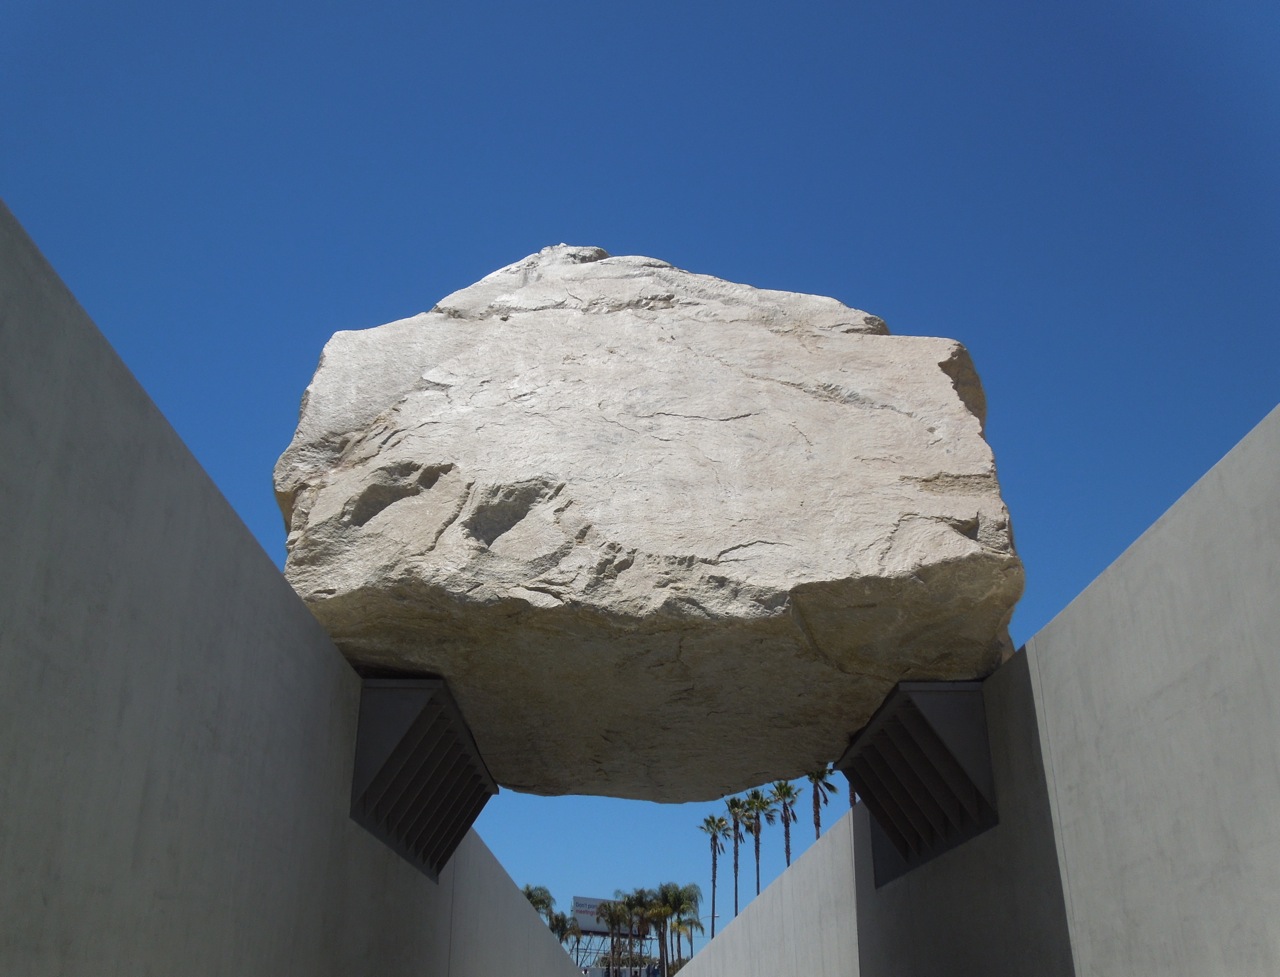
column 666, row 536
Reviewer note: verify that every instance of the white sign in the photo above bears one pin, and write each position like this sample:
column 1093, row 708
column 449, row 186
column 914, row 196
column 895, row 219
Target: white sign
column 584, row 911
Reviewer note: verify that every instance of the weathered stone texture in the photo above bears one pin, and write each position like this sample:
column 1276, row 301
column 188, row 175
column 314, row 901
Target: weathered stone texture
column 666, row 536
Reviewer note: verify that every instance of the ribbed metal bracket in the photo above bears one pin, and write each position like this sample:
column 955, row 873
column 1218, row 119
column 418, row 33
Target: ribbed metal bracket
column 922, row 765
column 419, row 781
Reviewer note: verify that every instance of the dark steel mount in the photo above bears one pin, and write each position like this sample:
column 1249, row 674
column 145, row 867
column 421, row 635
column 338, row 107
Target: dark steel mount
column 419, row 781
column 922, row 765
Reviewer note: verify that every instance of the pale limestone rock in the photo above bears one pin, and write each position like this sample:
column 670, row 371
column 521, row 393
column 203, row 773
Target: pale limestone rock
column 666, row 536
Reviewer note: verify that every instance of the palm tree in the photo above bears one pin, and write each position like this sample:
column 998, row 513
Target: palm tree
column 686, row 905
column 572, row 931
column 716, row 828
column 614, row 915
column 559, row 924
column 821, row 785
column 604, row 914
column 646, row 913
column 686, row 928
column 541, row 900
column 760, row 811
column 785, row 795
column 668, row 903
column 679, row 903
column 737, row 815
column 631, row 903
column 651, row 918
column 652, row 913
column 566, row 928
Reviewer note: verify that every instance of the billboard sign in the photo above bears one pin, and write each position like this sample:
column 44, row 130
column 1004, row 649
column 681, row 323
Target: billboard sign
column 584, row 911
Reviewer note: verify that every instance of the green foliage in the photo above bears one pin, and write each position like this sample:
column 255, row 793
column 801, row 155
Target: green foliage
column 541, row 900
column 822, row 787
column 785, row 794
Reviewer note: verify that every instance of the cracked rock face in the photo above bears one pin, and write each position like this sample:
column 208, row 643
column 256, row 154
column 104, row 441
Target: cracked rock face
column 666, row 536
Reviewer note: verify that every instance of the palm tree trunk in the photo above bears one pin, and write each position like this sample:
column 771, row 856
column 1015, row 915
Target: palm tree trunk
column 786, row 833
column 735, row 875
column 817, row 813
column 757, row 841
column 713, row 896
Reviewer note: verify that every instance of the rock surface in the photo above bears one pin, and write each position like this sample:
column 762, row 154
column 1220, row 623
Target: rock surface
column 666, row 536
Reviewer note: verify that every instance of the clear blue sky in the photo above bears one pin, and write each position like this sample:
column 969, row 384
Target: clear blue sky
column 1085, row 194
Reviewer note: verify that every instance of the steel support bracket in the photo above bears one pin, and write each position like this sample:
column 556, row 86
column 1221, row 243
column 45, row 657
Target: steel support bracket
column 419, row 782
column 922, row 765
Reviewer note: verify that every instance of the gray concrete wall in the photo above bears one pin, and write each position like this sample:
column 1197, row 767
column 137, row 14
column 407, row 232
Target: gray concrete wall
column 1159, row 697
column 804, row 924
column 992, row 907
column 176, row 731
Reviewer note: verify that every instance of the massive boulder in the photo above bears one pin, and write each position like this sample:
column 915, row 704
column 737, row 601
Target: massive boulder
column 666, row 536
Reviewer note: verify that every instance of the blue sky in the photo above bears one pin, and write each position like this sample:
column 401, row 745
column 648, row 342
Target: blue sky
column 1085, row 194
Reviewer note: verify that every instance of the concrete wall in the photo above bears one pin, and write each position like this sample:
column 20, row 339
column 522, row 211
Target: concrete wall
column 994, row 906
column 176, row 731
column 1159, row 697
column 804, row 924
column 990, row 908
